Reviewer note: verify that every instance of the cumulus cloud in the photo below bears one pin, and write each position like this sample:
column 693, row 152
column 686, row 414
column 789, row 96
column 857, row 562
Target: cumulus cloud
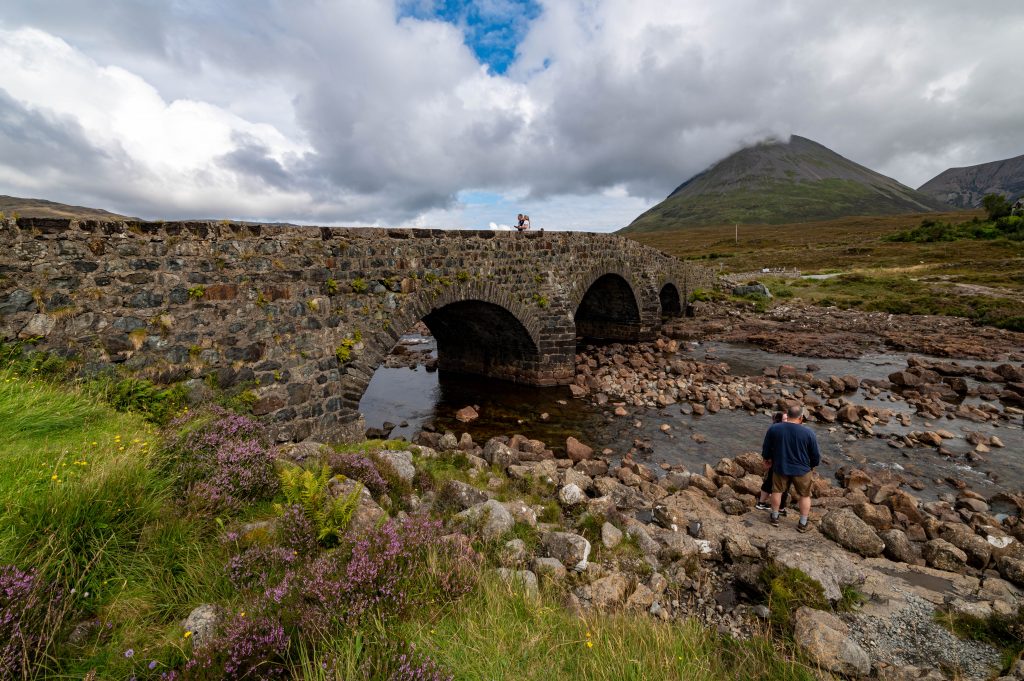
column 377, row 112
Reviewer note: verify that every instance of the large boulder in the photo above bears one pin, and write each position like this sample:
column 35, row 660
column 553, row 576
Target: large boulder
column 611, row 536
column 942, row 555
column 846, row 529
column 877, row 516
column 202, row 623
column 963, row 537
column 520, row 579
column 571, row 495
column 570, row 548
column 400, row 462
column 898, row 546
column 609, row 591
column 826, row 640
column 459, row 495
column 498, row 454
column 367, row 515
column 489, row 518
column 1012, row 569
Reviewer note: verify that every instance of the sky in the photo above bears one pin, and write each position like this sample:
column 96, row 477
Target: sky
column 463, row 113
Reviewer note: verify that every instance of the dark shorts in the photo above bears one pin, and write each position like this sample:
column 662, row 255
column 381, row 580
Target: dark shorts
column 801, row 484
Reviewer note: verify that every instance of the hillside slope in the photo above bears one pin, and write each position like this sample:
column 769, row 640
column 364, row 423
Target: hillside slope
column 781, row 182
column 41, row 208
column 965, row 187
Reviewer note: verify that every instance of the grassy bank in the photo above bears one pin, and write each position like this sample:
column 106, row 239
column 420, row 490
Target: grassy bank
column 114, row 529
column 957, row 264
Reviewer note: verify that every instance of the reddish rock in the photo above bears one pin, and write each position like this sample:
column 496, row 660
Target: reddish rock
column 577, row 451
column 467, row 414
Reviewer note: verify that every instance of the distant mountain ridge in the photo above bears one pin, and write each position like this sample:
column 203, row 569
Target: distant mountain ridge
column 778, row 182
column 41, row 208
column 966, row 187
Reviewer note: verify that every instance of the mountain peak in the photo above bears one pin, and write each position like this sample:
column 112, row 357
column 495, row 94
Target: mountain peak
column 778, row 181
column 966, row 187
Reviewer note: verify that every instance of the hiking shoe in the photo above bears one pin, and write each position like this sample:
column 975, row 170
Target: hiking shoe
column 803, row 527
column 774, row 520
column 761, row 506
column 782, row 511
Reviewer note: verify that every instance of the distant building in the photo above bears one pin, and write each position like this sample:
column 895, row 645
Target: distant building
column 1018, row 208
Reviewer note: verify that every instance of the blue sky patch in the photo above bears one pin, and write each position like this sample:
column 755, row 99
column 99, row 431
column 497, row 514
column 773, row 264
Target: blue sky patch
column 492, row 28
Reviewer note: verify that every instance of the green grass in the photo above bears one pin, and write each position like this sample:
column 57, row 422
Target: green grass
column 80, row 502
column 786, row 590
column 1004, row 632
column 497, row 634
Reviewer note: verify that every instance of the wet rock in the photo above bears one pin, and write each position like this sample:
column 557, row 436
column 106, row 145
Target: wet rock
column 941, row 555
column 844, row 527
column 467, row 414
column 568, row 547
column 826, row 640
column 577, row 451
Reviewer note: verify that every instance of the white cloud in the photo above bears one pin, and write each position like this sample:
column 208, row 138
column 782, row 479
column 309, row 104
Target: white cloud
column 339, row 113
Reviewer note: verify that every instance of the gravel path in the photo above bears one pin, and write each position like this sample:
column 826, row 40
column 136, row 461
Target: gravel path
column 912, row 637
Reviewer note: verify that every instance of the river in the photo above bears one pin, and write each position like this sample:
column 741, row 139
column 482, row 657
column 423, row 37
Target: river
column 413, row 397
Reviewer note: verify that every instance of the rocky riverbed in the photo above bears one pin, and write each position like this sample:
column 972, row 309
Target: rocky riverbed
column 918, row 505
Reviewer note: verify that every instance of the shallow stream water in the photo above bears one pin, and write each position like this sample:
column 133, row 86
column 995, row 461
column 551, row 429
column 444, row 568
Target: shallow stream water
column 415, row 397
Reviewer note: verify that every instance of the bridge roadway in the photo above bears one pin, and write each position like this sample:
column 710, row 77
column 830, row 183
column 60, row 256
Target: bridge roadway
column 304, row 315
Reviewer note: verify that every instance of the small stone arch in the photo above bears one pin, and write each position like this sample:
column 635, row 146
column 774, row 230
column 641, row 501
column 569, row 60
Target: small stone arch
column 671, row 301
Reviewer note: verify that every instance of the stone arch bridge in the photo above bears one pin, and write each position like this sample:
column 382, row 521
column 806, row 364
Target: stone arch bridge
column 306, row 314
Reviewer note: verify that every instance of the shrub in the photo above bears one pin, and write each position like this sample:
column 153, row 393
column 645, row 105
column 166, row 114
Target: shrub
column 382, row 575
column 248, row 648
column 221, row 460
column 155, row 404
column 361, row 468
column 28, row 610
column 785, row 590
column 309, row 490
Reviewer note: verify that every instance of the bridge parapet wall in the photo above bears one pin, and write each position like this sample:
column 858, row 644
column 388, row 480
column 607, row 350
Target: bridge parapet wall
column 305, row 314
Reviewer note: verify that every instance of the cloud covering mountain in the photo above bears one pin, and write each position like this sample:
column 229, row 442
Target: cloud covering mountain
column 369, row 111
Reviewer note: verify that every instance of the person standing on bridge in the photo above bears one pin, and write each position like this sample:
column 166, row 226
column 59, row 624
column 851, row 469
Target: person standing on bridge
column 792, row 451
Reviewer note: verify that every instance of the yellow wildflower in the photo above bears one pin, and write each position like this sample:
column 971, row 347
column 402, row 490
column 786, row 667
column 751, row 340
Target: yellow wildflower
column 187, row 634
column 590, row 644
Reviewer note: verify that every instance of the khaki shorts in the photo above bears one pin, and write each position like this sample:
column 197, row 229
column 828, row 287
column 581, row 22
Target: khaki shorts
column 801, row 483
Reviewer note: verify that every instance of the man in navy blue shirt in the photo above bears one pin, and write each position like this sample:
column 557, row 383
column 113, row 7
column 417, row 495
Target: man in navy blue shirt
column 790, row 449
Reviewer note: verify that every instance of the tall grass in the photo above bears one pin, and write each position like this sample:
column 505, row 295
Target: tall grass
column 498, row 634
column 80, row 503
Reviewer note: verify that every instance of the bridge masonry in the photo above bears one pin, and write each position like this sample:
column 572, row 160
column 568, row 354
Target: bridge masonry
column 304, row 315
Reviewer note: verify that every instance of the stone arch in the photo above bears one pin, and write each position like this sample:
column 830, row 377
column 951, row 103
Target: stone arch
column 480, row 328
column 611, row 303
column 671, row 301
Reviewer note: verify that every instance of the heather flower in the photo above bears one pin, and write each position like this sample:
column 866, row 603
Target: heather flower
column 27, row 607
column 223, row 463
column 248, row 648
column 259, row 566
column 361, row 468
column 412, row 666
column 295, row 531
